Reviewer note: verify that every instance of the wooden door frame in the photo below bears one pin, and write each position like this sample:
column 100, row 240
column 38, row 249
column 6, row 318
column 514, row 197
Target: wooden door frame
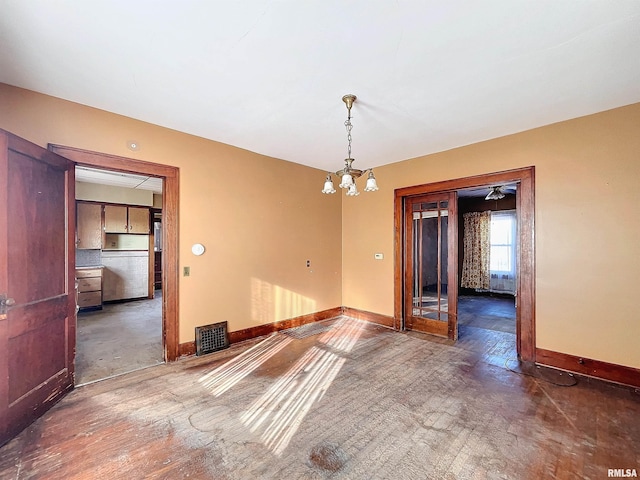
column 525, row 210
column 170, row 197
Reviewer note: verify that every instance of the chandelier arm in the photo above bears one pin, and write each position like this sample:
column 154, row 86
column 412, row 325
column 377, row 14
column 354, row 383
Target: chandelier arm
column 354, row 172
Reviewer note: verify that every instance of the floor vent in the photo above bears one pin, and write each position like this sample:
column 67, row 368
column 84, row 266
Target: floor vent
column 211, row 338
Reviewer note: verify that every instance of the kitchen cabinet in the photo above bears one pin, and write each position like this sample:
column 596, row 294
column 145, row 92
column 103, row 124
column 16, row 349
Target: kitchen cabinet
column 88, row 225
column 115, row 219
column 123, row 219
column 126, row 274
column 138, row 220
column 89, row 288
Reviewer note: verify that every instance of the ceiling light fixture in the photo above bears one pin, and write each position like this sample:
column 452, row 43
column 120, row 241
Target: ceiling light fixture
column 348, row 175
column 495, row 193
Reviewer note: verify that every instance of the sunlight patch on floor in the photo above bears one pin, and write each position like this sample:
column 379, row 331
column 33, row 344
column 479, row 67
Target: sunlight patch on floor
column 229, row 374
column 344, row 335
column 281, row 410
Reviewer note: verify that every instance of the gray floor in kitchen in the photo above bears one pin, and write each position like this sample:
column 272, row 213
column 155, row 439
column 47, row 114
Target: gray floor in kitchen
column 120, row 338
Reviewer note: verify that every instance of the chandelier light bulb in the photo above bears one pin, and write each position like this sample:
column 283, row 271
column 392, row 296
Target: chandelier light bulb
column 353, row 190
column 328, row 185
column 372, row 186
column 347, row 181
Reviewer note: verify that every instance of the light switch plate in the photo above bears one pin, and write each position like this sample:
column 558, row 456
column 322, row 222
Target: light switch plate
column 378, row 256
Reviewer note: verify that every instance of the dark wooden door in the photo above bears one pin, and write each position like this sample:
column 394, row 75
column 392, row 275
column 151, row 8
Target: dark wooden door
column 38, row 317
column 430, row 279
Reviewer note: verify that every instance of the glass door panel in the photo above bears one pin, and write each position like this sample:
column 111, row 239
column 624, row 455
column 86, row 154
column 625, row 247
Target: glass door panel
column 430, row 269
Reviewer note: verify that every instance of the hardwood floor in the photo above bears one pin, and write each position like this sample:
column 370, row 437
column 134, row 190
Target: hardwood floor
column 487, row 312
column 351, row 400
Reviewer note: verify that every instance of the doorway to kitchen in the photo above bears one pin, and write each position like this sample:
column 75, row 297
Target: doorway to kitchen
column 119, row 322
column 154, row 337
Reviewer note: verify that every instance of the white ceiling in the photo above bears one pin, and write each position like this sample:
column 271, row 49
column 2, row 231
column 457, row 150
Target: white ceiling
column 118, row 179
column 268, row 76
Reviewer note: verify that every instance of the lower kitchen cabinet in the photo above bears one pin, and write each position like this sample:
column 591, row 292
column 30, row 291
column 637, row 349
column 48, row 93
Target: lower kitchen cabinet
column 89, row 288
column 126, row 274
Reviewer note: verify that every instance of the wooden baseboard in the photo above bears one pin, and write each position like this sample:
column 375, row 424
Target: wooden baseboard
column 261, row 330
column 189, row 348
column 384, row 320
column 588, row 367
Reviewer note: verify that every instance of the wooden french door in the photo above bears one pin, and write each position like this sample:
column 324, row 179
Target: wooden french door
column 37, row 284
column 430, row 268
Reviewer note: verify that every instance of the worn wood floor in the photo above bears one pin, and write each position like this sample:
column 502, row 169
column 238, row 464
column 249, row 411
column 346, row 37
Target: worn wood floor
column 488, row 312
column 341, row 399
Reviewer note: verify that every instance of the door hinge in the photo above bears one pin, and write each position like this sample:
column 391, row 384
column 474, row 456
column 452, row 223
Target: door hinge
column 5, row 302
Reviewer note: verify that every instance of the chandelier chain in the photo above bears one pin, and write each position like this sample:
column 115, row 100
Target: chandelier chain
column 349, row 126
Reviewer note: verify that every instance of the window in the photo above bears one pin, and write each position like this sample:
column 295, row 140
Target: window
column 502, row 259
column 502, row 241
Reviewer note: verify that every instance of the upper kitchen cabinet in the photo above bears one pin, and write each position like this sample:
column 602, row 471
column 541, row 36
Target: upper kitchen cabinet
column 138, row 220
column 89, row 225
column 115, row 219
column 123, row 219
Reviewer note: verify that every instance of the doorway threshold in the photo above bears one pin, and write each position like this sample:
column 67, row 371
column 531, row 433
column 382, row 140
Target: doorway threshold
column 118, row 374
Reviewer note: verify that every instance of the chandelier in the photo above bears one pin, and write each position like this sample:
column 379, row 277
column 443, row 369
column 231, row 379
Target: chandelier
column 348, row 175
column 495, row 193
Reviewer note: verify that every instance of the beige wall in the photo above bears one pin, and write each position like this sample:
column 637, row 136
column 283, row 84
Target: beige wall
column 258, row 229
column 125, row 241
column 587, row 229
column 258, row 234
column 112, row 194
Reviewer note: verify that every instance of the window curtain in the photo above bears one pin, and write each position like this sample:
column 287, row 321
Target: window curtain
column 477, row 249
